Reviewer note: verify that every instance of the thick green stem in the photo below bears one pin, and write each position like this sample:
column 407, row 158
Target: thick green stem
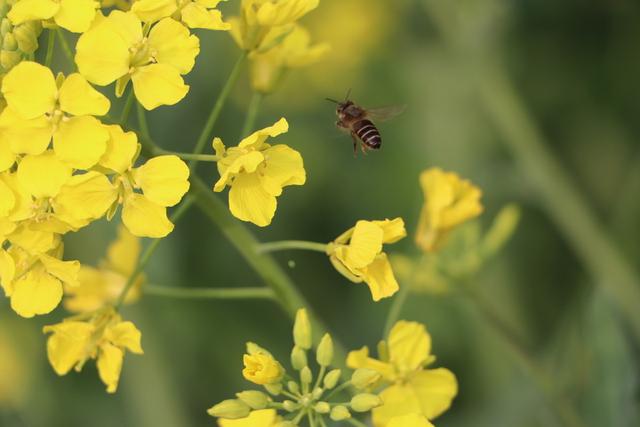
column 252, row 113
column 142, row 121
column 284, row 245
column 205, row 135
column 51, row 44
column 209, row 293
column 65, row 46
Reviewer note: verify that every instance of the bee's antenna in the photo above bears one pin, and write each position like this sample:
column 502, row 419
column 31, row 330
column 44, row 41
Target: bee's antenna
column 346, row 98
column 332, row 100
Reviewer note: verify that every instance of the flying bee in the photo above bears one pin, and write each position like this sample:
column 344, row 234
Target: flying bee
column 358, row 122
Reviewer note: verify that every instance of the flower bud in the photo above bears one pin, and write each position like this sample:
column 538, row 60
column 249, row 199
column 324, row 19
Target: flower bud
column 324, row 354
column 332, row 378
column 363, row 378
column 305, row 375
column 302, row 330
column 339, row 413
column 255, row 399
column 293, row 387
column 298, row 358
column 274, row 389
column 317, row 392
column 261, row 368
column 290, row 405
column 322, row 408
column 231, row 409
column 365, row 402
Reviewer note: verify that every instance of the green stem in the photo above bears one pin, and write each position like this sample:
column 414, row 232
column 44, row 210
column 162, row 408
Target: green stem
column 284, row 245
column 51, row 44
column 252, row 113
column 146, row 255
column 311, row 418
column 209, row 293
column 396, row 309
column 128, row 103
column 142, row 121
column 193, row 157
column 65, row 45
column 217, row 108
column 337, row 390
column 356, row 423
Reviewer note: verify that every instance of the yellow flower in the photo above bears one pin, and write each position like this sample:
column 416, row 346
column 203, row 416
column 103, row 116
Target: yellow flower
column 357, row 255
column 260, row 367
column 257, row 172
column 413, row 389
column 193, row 13
column 40, row 108
column 74, row 15
column 263, row 23
column 261, row 418
column 267, row 69
column 411, row 420
column 449, row 201
column 117, row 48
column 98, row 287
column 104, row 337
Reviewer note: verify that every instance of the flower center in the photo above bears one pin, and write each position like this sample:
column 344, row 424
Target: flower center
column 141, row 54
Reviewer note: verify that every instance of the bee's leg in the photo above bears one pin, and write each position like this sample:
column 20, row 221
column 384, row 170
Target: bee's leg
column 355, row 145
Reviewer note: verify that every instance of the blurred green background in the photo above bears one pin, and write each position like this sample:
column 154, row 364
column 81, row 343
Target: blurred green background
column 520, row 97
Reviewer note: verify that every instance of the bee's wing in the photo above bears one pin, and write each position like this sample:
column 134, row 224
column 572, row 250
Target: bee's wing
column 385, row 113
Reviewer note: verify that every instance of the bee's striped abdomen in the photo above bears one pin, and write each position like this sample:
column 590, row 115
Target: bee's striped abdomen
column 368, row 133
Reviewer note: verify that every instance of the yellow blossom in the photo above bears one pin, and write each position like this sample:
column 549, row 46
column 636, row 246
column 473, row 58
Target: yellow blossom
column 104, row 337
column 267, row 69
column 449, row 201
column 413, row 389
column 261, row 418
column 193, row 13
column 257, row 172
column 411, row 420
column 117, row 49
column 41, row 107
column 100, row 286
column 260, row 367
column 357, row 254
column 74, row 15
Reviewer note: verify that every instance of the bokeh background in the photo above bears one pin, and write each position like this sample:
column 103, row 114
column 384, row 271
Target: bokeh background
column 534, row 101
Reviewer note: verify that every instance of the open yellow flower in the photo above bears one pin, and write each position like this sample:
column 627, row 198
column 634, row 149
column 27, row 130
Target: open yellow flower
column 100, row 286
column 357, row 255
column 260, row 367
column 40, row 108
column 117, row 49
column 193, row 13
column 257, row 172
column 261, row 418
column 448, row 201
column 295, row 51
column 73, row 15
column 413, row 389
column 104, row 337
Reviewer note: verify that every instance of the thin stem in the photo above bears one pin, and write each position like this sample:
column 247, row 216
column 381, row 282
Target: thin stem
column 356, row 423
column 51, row 44
column 128, row 103
column 194, row 157
column 217, row 108
column 142, row 121
column 338, row 389
column 396, row 309
column 252, row 113
column 311, row 418
column 65, row 45
column 146, row 255
column 284, row 245
column 209, row 293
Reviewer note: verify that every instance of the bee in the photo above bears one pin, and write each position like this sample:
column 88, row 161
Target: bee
column 358, row 122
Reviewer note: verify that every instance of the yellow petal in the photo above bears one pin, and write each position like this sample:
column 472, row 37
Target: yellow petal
column 174, row 45
column 7, row 156
column 154, row 10
column 249, row 201
column 435, row 390
column 78, row 98
column 121, row 149
column 86, row 196
column 379, row 277
column 163, row 179
column 43, row 175
column 411, row 420
column 7, row 272
column 22, row 199
column 284, row 165
column 359, row 359
column 393, row 229
column 76, row 15
column 34, row 241
column 36, row 293
column 110, row 365
column 198, row 16
column 66, row 347
column 66, row 271
column 274, row 13
column 125, row 335
column 7, row 199
column 123, row 253
column 365, row 244
column 80, row 141
column 236, row 164
column 398, row 400
column 409, row 345
column 261, row 418
column 25, row 136
column 32, row 10
column 144, row 218
column 30, row 89
column 158, row 84
column 256, row 139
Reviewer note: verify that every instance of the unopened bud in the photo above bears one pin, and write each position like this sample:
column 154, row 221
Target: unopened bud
column 339, row 413
column 322, row 408
column 298, row 358
column 363, row 378
column 231, row 409
column 255, row 399
column 305, row 375
column 365, row 402
column 302, row 330
column 332, row 378
column 290, row 405
column 293, row 387
column 324, row 354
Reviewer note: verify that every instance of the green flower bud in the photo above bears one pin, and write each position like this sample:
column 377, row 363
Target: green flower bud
column 332, row 378
column 231, row 409
column 302, row 330
column 293, row 387
column 322, row 408
column 290, row 405
column 274, row 389
column 365, row 402
column 306, row 376
column 298, row 358
column 339, row 413
column 317, row 392
column 324, row 354
column 363, row 378
column 255, row 399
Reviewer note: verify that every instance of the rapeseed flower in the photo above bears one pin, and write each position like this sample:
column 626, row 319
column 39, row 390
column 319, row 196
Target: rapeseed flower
column 357, row 255
column 41, row 107
column 448, row 201
column 104, row 337
column 193, row 13
column 257, row 172
column 118, row 48
column 412, row 389
column 17, row 42
column 260, row 367
column 73, row 15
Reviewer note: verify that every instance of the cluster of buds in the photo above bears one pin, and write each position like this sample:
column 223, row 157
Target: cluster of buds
column 306, row 397
column 18, row 41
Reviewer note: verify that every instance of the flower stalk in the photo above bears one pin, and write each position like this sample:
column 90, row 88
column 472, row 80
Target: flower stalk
column 210, row 293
